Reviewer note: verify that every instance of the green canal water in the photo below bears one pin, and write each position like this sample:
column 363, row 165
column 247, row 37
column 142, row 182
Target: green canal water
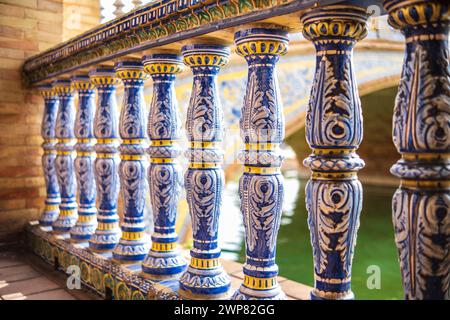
column 375, row 243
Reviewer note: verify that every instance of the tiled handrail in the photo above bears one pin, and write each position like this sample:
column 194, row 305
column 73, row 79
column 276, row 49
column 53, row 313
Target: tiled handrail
column 150, row 26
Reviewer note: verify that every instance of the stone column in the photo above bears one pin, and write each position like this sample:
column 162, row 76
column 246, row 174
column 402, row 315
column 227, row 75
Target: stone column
column 106, row 166
column 84, row 163
column 52, row 201
column 134, row 243
column 204, row 179
column 421, row 133
column 64, row 162
column 261, row 185
column 164, row 259
column 334, row 132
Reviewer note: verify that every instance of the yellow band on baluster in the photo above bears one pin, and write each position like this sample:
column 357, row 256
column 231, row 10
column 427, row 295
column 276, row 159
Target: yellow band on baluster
column 162, row 160
column 261, row 146
column 204, row 165
column 261, row 170
column 132, row 235
column 260, row 283
column 50, row 152
column 425, row 156
column 203, row 145
column 66, row 140
column 51, row 207
column 65, row 153
column 83, row 218
column 50, row 140
column 67, row 212
column 334, row 175
column 106, row 155
column 163, row 142
column 424, row 184
column 334, row 151
column 105, row 141
column 86, row 140
column 85, row 154
column 157, row 246
column 204, row 263
column 133, row 141
column 133, row 156
column 107, row 226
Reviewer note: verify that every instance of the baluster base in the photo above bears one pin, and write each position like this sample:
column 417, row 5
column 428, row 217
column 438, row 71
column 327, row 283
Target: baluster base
column 131, row 251
column 85, row 226
column 205, row 284
column 50, row 214
column 244, row 293
column 66, row 220
column 318, row 295
column 159, row 265
column 104, row 240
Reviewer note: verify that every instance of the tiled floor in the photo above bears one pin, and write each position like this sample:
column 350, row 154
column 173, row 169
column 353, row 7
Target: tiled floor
column 22, row 280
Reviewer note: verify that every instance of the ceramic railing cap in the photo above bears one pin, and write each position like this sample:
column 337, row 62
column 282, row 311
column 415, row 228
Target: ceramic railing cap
column 170, row 57
column 103, row 70
column 133, row 64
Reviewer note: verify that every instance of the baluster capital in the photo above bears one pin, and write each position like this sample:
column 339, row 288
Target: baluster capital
column 82, row 83
column 205, row 57
column 63, row 87
column 47, row 91
column 261, row 42
column 130, row 71
column 162, row 64
column 405, row 14
column 335, row 24
column 104, row 76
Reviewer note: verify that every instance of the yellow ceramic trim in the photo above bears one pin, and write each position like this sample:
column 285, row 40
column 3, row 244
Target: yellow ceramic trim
column 334, row 175
column 133, row 156
column 426, row 156
column 204, row 263
column 105, row 141
column 261, row 146
column 260, row 283
column 65, row 153
column 133, row 141
column 261, row 170
column 203, row 145
column 333, row 151
column 157, row 246
column 85, row 154
column 51, row 207
column 67, row 212
column 132, row 235
column 425, row 184
column 163, row 142
column 162, row 160
column 204, row 165
column 106, row 155
column 107, row 226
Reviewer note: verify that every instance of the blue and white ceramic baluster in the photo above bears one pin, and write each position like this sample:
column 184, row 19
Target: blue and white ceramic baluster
column 106, row 166
column 134, row 243
column 421, row 133
column 84, row 162
column 52, row 201
column 334, row 132
column 164, row 259
column 205, row 277
column 65, row 157
column 261, row 185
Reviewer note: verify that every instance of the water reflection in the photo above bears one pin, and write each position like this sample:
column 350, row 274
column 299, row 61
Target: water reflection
column 375, row 243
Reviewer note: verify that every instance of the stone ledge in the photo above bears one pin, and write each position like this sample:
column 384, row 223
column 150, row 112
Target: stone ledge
column 123, row 282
